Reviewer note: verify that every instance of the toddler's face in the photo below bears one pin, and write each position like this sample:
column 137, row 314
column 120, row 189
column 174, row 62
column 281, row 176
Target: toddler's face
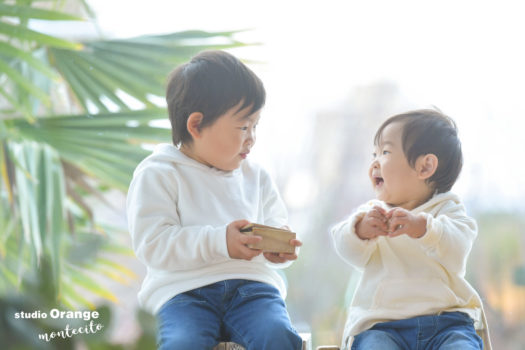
column 395, row 182
column 227, row 142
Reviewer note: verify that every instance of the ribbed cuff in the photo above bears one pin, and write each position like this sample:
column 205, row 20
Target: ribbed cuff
column 218, row 241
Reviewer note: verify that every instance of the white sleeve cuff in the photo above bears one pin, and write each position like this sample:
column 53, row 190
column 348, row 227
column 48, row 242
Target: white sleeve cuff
column 433, row 235
column 218, row 242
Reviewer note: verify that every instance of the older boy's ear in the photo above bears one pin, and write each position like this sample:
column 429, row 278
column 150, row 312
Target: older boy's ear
column 193, row 124
column 426, row 166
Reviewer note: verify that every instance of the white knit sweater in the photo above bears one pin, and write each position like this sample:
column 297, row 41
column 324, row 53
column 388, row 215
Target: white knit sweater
column 178, row 210
column 403, row 277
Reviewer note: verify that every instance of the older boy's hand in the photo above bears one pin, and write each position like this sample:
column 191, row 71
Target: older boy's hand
column 373, row 224
column 279, row 258
column 237, row 241
column 402, row 221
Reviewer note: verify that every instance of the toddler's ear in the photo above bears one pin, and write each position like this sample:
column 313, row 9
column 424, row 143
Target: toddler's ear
column 426, row 166
column 194, row 124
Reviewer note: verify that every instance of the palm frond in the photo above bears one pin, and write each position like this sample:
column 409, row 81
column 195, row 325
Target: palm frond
column 25, row 12
column 106, row 146
column 32, row 36
column 40, row 199
column 55, row 154
column 137, row 66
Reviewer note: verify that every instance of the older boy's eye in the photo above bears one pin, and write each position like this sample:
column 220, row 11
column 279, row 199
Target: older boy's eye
column 385, row 152
column 243, row 128
column 374, row 155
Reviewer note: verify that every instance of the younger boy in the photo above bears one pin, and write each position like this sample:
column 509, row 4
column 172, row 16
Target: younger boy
column 412, row 243
column 186, row 205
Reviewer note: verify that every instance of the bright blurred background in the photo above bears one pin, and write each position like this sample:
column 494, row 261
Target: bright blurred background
column 334, row 70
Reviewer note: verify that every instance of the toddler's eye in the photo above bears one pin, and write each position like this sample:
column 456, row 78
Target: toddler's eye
column 374, row 155
column 386, row 152
column 243, row 128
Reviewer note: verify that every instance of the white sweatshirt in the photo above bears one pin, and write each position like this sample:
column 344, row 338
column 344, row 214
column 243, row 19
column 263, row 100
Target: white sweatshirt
column 403, row 277
column 178, row 210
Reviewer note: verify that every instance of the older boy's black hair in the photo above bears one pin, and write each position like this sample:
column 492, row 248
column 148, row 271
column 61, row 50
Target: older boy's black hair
column 430, row 131
column 211, row 83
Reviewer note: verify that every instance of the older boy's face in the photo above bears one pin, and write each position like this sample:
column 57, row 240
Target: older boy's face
column 227, row 142
column 394, row 180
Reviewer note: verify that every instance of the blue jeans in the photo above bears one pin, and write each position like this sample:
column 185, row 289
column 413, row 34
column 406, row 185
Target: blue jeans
column 447, row 331
column 252, row 314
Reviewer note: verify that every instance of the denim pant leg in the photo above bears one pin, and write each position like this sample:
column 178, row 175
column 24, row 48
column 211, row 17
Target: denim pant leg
column 455, row 330
column 373, row 339
column 447, row 331
column 190, row 321
column 257, row 319
column 393, row 335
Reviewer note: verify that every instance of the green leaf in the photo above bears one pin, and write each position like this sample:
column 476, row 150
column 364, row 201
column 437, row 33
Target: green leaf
column 81, row 279
column 73, row 83
column 23, row 33
column 40, row 201
column 189, row 34
column 104, row 148
column 77, row 81
column 37, row 13
column 27, row 156
column 137, row 66
column 14, row 52
column 24, row 83
column 18, row 107
column 94, row 80
column 54, row 193
column 125, row 80
column 103, row 120
column 116, row 266
column 8, row 275
column 70, row 294
column 88, row 9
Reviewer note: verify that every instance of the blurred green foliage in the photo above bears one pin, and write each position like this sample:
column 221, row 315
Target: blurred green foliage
column 68, row 136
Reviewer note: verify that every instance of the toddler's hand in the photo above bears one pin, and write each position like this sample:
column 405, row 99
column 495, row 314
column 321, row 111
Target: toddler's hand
column 373, row 224
column 237, row 241
column 401, row 221
column 279, row 258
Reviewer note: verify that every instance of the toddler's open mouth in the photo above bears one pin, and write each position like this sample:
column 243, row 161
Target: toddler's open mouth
column 378, row 180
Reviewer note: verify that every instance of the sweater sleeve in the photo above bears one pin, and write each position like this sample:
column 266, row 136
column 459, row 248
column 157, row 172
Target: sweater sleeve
column 352, row 249
column 159, row 240
column 274, row 211
column 449, row 237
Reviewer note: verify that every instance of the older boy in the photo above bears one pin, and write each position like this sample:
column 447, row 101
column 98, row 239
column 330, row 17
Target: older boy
column 412, row 243
column 186, row 205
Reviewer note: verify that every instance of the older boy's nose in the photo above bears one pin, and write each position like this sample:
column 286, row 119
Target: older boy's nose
column 248, row 143
column 251, row 137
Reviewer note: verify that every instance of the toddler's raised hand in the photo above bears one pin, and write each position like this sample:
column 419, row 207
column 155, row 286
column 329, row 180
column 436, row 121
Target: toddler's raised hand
column 237, row 241
column 373, row 224
column 402, row 221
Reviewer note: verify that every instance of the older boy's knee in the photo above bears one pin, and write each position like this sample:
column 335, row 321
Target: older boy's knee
column 374, row 339
column 184, row 343
column 277, row 336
